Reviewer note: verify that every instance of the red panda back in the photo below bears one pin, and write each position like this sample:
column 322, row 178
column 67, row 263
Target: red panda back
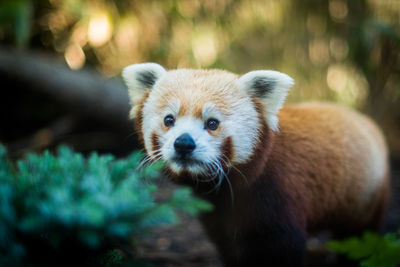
column 334, row 165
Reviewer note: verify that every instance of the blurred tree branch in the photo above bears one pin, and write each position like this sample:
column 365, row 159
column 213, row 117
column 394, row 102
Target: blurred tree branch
column 84, row 92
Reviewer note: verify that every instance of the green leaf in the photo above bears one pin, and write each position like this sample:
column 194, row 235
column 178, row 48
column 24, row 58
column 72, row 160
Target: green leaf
column 371, row 249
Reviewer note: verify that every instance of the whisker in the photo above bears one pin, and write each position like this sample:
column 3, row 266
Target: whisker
column 214, row 171
column 148, row 160
column 215, row 165
column 233, row 167
column 225, row 176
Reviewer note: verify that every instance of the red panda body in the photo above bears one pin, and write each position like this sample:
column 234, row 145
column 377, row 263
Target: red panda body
column 311, row 176
column 323, row 167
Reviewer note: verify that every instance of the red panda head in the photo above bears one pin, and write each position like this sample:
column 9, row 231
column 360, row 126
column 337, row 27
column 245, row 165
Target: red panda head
column 200, row 121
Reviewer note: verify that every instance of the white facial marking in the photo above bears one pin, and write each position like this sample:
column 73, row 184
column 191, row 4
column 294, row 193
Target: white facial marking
column 210, row 110
column 172, row 108
column 243, row 126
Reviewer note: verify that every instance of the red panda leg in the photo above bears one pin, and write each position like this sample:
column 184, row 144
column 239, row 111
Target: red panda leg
column 259, row 229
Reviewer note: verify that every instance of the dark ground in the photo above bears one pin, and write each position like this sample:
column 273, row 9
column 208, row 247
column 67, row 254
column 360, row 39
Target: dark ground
column 31, row 121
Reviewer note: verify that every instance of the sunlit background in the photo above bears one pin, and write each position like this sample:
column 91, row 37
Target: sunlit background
column 339, row 50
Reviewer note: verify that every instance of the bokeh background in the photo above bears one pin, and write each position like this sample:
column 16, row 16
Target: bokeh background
column 336, row 50
column 56, row 56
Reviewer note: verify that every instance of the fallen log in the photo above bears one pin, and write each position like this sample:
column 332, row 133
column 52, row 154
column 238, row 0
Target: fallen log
column 84, row 92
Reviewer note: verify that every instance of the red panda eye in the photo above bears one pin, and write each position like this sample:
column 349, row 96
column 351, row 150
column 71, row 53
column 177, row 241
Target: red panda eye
column 169, row 121
column 212, row 124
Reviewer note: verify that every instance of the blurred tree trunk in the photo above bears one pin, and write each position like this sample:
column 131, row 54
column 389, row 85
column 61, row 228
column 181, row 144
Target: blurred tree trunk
column 84, row 92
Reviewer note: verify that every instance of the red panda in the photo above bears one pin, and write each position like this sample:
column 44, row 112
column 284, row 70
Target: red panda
column 275, row 173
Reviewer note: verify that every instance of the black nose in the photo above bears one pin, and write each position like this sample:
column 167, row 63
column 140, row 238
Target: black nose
column 184, row 144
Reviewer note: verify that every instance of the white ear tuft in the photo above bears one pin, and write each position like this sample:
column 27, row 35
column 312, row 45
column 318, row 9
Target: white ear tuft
column 271, row 87
column 139, row 78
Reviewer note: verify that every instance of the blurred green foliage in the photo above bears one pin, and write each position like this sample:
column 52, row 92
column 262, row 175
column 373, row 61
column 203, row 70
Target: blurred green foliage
column 372, row 250
column 18, row 15
column 52, row 206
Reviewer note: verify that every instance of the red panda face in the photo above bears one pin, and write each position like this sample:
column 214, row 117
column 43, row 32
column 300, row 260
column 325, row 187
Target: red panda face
column 197, row 121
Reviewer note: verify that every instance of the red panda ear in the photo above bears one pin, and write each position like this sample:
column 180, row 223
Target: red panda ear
column 140, row 77
column 269, row 86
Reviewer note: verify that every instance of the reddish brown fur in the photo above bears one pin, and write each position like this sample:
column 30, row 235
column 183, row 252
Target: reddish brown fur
column 321, row 167
column 155, row 143
column 227, row 149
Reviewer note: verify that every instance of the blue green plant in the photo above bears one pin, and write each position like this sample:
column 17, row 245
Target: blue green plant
column 68, row 208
